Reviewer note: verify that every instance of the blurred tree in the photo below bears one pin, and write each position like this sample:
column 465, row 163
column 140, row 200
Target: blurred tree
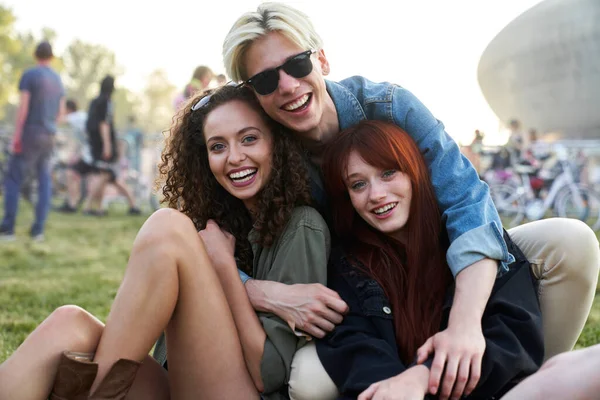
column 157, row 104
column 126, row 103
column 8, row 47
column 85, row 65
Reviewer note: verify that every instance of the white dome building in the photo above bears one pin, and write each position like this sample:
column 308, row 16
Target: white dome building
column 543, row 69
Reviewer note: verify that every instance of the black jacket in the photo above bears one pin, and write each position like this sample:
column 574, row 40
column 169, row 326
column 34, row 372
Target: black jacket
column 362, row 350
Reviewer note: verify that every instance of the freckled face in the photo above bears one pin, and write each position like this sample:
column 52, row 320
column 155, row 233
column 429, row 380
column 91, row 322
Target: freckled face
column 380, row 196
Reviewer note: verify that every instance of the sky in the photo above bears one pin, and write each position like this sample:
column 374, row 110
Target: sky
column 430, row 47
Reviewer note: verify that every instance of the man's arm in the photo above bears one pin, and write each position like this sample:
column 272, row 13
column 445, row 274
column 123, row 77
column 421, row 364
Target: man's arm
column 460, row 347
column 106, row 143
column 62, row 111
column 314, row 308
column 472, row 222
column 473, row 288
column 21, row 118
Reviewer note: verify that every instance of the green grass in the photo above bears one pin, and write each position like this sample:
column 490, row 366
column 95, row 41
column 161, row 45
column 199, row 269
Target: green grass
column 82, row 262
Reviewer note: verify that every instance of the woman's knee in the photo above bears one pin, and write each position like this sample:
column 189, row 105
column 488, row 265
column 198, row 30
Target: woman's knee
column 166, row 237
column 166, row 230
column 73, row 326
column 167, row 225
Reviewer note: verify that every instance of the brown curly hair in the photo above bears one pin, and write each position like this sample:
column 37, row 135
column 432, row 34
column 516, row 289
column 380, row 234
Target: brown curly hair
column 190, row 186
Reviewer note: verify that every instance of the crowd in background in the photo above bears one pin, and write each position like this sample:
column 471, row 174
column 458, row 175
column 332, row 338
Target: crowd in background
column 63, row 153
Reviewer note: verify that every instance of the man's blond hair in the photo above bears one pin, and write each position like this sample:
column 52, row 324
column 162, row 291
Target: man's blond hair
column 268, row 17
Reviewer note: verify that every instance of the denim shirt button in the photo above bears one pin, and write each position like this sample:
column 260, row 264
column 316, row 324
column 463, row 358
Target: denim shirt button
column 387, row 310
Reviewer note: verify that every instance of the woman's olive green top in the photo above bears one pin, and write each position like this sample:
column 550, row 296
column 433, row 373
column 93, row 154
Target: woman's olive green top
column 299, row 255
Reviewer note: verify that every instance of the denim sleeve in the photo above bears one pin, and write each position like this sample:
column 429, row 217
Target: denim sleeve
column 243, row 276
column 472, row 221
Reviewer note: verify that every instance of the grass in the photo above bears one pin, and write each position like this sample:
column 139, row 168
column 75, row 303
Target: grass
column 82, row 262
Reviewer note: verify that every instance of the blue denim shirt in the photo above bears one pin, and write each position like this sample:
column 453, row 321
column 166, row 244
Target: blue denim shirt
column 472, row 221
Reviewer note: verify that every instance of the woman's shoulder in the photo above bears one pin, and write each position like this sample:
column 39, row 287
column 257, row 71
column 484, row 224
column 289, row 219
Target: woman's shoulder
column 306, row 216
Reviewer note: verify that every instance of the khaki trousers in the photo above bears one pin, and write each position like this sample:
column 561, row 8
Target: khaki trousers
column 565, row 258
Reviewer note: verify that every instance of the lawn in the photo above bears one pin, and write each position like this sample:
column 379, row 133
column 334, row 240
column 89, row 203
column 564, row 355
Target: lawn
column 82, row 262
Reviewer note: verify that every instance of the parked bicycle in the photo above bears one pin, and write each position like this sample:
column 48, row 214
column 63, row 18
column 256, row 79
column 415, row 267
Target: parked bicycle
column 535, row 196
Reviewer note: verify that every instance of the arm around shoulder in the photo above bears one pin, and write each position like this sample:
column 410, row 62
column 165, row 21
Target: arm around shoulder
column 463, row 198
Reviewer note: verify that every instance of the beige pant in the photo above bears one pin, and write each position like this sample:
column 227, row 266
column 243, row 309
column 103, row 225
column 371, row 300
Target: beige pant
column 565, row 258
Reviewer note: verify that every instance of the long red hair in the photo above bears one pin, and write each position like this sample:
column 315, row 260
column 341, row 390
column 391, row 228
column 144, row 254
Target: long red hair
column 414, row 275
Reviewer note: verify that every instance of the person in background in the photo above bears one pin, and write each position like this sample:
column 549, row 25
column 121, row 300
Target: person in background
column 77, row 167
column 200, row 81
column 41, row 106
column 135, row 143
column 517, row 142
column 221, row 79
column 102, row 138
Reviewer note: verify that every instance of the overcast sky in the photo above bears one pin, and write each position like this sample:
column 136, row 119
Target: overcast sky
column 431, row 47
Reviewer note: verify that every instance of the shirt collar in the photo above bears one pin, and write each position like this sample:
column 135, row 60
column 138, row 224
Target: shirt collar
column 347, row 106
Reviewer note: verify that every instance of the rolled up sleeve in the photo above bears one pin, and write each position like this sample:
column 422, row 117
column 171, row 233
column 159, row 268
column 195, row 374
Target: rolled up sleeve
column 472, row 221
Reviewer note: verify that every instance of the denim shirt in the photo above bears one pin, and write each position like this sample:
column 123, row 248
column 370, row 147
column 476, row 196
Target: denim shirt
column 472, row 221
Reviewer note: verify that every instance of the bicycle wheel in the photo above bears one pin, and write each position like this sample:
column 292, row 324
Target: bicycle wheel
column 510, row 204
column 581, row 203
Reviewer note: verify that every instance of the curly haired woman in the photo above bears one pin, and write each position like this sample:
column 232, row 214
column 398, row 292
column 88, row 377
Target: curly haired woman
column 239, row 179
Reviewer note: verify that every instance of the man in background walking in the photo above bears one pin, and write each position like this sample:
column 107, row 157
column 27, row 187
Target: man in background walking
column 41, row 105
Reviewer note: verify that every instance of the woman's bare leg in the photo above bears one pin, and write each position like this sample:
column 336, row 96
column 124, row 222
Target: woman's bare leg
column 170, row 283
column 29, row 372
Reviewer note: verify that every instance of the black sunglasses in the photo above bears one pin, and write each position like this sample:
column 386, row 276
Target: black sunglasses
column 204, row 101
column 297, row 66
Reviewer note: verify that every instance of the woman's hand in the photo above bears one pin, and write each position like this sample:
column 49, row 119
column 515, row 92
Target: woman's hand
column 409, row 385
column 219, row 244
column 458, row 349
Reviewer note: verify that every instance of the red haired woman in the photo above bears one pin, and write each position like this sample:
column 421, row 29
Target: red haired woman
column 392, row 273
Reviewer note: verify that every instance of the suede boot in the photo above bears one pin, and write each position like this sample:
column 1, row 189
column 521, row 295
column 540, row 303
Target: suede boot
column 118, row 381
column 74, row 377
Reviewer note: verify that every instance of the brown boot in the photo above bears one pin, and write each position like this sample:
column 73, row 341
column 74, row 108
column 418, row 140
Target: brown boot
column 74, row 377
column 118, row 381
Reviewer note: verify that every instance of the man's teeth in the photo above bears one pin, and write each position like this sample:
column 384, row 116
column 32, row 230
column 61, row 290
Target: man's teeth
column 385, row 208
column 296, row 104
column 242, row 175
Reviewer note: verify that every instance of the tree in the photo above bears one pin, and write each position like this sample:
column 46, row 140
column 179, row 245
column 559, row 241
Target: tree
column 157, row 103
column 125, row 104
column 85, row 65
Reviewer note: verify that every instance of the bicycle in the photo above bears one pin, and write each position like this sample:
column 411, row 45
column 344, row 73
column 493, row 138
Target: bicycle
column 565, row 196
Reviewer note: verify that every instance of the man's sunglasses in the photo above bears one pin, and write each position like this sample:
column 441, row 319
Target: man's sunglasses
column 297, row 66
